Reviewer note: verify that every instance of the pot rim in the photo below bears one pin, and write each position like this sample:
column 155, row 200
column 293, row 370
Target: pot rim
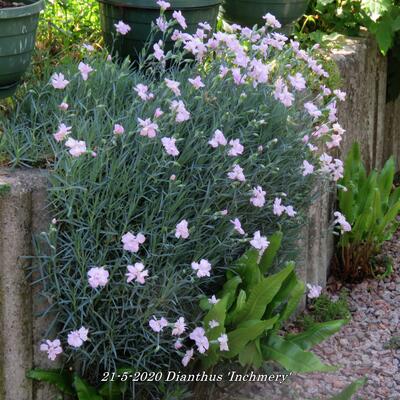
column 175, row 4
column 23, row 11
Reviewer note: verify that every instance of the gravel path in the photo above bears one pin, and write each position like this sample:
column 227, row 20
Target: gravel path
column 358, row 347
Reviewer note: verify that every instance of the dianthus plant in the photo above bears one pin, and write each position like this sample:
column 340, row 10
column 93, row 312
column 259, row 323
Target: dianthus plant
column 163, row 175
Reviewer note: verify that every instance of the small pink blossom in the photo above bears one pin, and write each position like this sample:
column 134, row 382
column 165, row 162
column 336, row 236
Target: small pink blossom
column 98, row 276
column 290, row 211
column 218, row 139
column 278, row 208
column 259, row 242
column 158, row 112
column 164, row 5
column 340, row 95
column 203, row 268
column 213, row 324
column 314, row 291
column 271, row 21
column 53, row 348
column 158, row 51
column 63, row 106
column 58, row 81
column 137, row 272
column 131, row 242
column 178, row 344
column 182, row 230
column 173, row 85
column 172, row 177
column 88, row 47
column 236, row 148
column 224, row 212
column 213, row 299
column 307, row 168
column 181, row 113
column 122, row 28
column 198, row 335
column 162, row 24
column 118, row 129
column 77, row 338
column 169, row 146
column 76, row 147
column 297, row 81
column 196, row 82
column 62, row 132
column 237, row 174
column 187, row 357
column 258, row 199
column 341, row 220
column 149, row 128
column 179, row 327
column 223, row 342
column 158, row 324
column 85, row 70
column 177, row 15
column 238, row 226
column 312, row 109
column 143, row 92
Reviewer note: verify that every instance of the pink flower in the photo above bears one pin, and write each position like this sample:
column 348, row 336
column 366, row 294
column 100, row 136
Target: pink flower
column 340, row 95
column 290, row 211
column 88, row 47
column 187, row 357
column 236, row 148
column 312, row 109
column 338, row 128
column 223, row 342
column 181, row 113
column 238, row 226
column 282, row 93
column 158, row 51
column 218, row 139
column 58, row 81
column 213, row 299
column 271, row 21
column 334, row 142
column 177, row 15
column 63, row 106
column 122, row 28
column 62, row 132
column 258, row 199
column 77, row 338
column 196, row 82
column 158, row 113
column 237, row 174
column 162, row 24
column 118, row 129
column 169, row 146
column 173, row 85
column 179, row 327
column 341, row 220
column 98, row 276
column 143, row 92
column 297, row 81
column 131, row 242
column 85, row 70
column 149, row 128
column 53, row 348
column 307, row 168
column 172, row 177
column 198, row 335
column 314, row 291
column 325, row 90
column 259, row 242
column 278, row 208
column 158, row 324
column 137, row 272
column 224, row 212
column 164, row 5
column 178, row 344
column 213, row 324
column 182, row 230
column 203, row 268
column 77, row 147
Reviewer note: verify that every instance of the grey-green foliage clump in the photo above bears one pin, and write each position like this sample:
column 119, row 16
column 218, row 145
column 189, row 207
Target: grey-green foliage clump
column 127, row 185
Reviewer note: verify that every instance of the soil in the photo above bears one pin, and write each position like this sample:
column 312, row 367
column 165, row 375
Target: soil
column 9, row 4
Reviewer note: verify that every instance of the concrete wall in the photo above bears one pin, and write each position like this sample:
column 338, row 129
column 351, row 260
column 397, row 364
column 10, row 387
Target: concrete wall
column 23, row 214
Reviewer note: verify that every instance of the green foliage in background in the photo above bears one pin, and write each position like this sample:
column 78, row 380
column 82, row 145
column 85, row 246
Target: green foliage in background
column 371, row 206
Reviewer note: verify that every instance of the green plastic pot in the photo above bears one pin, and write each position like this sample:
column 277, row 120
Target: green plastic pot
column 17, row 40
column 250, row 12
column 139, row 14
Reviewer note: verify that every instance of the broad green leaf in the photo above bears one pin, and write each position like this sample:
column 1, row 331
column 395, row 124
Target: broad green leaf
column 385, row 180
column 291, row 306
column 384, row 34
column 269, row 255
column 240, row 303
column 229, row 289
column 375, row 8
column 351, row 390
column 251, row 355
column 246, row 332
column 291, row 356
column 61, row 379
column 262, row 294
column 84, row 391
column 396, row 24
column 248, row 269
column 317, row 333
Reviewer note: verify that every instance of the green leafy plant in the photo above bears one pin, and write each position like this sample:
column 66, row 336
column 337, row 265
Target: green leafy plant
column 252, row 309
column 371, row 206
column 324, row 309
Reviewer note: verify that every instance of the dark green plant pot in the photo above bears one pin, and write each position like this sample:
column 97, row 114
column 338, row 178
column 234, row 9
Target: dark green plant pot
column 250, row 12
column 139, row 14
column 17, row 40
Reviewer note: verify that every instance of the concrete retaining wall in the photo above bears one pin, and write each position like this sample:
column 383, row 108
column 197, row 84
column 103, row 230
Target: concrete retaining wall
column 23, row 214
